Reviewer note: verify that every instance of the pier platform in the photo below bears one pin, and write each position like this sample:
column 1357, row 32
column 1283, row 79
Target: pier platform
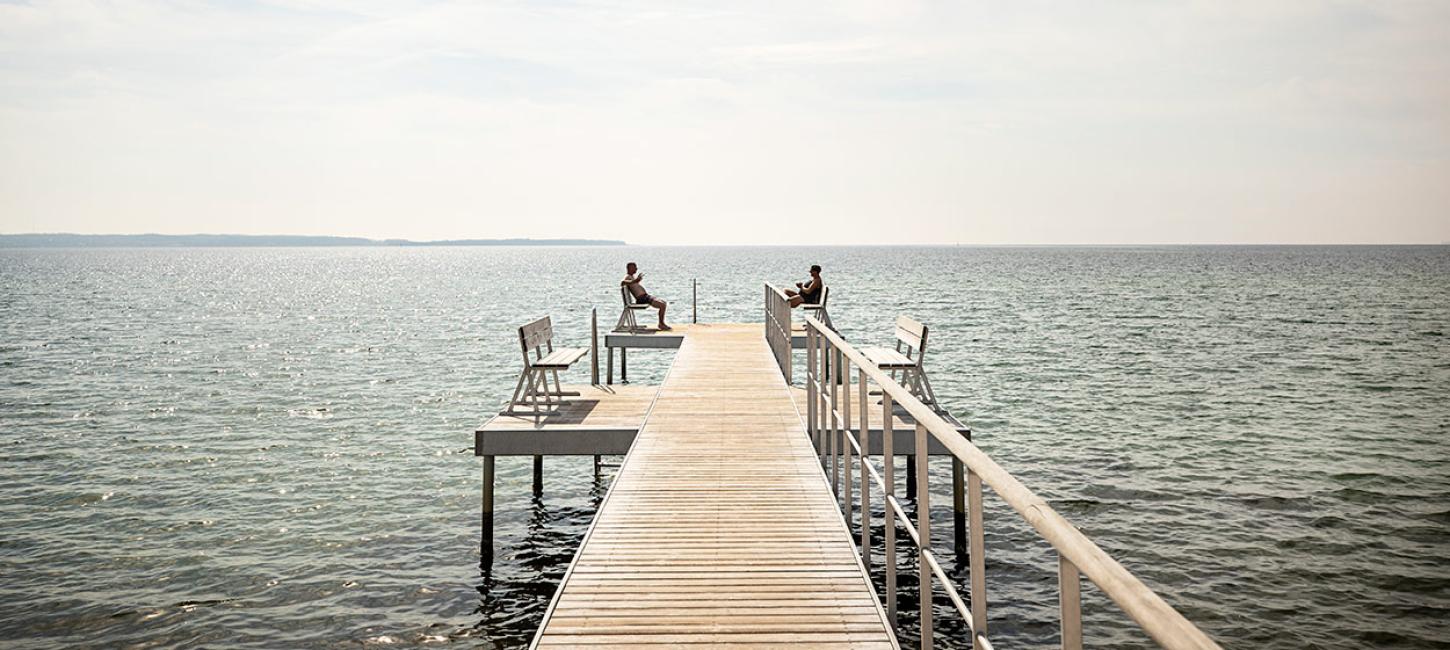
column 604, row 420
column 720, row 527
column 651, row 338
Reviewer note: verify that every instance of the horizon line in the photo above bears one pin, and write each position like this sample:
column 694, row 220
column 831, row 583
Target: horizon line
column 586, row 241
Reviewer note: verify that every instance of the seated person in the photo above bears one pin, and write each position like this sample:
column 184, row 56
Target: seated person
column 810, row 291
column 632, row 279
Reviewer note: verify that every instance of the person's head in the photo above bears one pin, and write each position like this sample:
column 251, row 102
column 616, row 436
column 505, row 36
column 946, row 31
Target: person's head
column 630, row 268
column 815, row 270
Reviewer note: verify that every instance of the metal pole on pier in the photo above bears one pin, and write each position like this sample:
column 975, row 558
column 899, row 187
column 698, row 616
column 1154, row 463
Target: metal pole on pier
column 594, row 362
column 594, row 346
column 694, row 300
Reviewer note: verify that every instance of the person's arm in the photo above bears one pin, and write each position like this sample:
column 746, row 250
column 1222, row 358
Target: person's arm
column 628, row 280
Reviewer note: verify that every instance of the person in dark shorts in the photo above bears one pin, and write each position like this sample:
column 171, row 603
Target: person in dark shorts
column 808, row 292
column 632, row 279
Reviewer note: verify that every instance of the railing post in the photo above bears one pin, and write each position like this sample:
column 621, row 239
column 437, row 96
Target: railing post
column 846, row 435
column 923, row 532
column 888, row 476
column 835, row 442
column 1069, row 588
column 978, row 561
column 594, row 346
column 810, row 384
column 694, row 300
column 864, row 438
column 821, row 398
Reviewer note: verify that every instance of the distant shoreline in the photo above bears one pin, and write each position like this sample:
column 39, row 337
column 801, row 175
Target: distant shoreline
column 71, row 240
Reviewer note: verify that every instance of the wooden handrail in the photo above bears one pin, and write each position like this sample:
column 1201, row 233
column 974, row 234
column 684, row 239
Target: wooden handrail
column 778, row 327
column 1156, row 617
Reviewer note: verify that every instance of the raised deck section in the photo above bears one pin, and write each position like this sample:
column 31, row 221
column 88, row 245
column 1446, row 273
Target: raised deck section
column 721, row 528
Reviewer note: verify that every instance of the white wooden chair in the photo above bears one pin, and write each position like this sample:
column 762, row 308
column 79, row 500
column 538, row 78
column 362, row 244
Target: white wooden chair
column 627, row 322
column 818, row 310
column 538, row 338
column 910, row 338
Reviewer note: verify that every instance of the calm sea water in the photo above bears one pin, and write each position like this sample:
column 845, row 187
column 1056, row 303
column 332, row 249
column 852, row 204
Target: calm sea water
column 272, row 447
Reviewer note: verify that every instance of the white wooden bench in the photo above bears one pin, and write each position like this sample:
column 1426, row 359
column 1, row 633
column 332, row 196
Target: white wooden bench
column 537, row 338
column 818, row 310
column 910, row 338
column 627, row 322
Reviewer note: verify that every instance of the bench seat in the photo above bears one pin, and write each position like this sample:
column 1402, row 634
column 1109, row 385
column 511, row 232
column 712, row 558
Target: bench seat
column 888, row 359
column 560, row 358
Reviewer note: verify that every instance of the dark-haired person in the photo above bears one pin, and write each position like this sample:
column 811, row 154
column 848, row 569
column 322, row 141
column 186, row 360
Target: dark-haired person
column 632, row 279
column 810, row 291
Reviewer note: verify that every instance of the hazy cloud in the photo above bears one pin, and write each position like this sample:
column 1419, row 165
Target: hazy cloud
column 744, row 122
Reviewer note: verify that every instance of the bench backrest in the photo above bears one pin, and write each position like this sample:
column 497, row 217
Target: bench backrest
column 537, row 336
column 825, row 295
column 910, row 334
column 624, row 295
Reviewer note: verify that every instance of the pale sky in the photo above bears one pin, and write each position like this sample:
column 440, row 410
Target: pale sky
column 731, row 122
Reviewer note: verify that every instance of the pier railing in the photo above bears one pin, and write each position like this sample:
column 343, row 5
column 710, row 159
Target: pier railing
column 829, row 361
column 778, row 328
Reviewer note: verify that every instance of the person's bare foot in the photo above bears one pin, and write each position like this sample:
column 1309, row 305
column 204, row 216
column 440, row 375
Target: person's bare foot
column 664, row 328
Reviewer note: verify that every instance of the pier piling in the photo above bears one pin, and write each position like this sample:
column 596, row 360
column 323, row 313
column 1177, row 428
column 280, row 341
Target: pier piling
column 486, row 543
column 959, row 509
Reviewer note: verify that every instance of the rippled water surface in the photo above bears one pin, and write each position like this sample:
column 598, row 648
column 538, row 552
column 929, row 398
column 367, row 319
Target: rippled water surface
column 272, row 447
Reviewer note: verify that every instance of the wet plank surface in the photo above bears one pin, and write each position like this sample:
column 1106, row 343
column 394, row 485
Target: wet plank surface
column 720, row 530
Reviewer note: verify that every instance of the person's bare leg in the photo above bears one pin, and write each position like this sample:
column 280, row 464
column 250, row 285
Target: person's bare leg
column 795, row 301
column 790, row 292
column 660, row 304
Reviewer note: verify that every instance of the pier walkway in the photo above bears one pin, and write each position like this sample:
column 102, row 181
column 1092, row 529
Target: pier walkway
column 720, row 530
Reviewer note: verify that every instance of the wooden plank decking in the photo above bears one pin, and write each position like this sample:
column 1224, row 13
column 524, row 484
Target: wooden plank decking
column 720, row 530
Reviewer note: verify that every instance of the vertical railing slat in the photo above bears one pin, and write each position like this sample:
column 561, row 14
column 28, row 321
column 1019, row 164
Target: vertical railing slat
column 923, row 531
column 864, row 440
column 888, row 476
column 845, row 435
column 1069, row 587
column 978, row 550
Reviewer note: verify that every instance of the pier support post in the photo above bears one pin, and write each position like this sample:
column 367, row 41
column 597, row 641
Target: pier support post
column 959, row 509
column 911, row 475
column 485, row 547
column 538, row 476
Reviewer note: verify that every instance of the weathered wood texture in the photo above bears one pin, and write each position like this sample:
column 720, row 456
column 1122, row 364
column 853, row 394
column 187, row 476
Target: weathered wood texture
column 721, row 529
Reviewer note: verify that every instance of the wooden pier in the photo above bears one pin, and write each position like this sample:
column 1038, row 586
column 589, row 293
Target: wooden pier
column 720, row 527
column 726, row 525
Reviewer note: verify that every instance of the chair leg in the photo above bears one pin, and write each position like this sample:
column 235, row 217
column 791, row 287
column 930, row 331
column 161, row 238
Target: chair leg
column 926, row 388
column 538, row 377
column 519, row 394
column 558, row 388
